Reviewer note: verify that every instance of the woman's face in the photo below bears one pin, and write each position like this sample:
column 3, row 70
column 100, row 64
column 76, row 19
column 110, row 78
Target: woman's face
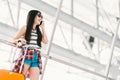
column 38, row 19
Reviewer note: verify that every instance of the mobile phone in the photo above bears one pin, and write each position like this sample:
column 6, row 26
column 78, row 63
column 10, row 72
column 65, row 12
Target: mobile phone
column 40, row 22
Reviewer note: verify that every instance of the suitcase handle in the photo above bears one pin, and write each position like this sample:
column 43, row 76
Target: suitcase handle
column 14, row 53
column 22, row 63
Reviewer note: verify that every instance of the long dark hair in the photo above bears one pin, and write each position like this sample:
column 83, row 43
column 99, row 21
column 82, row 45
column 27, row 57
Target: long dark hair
column 30, row 20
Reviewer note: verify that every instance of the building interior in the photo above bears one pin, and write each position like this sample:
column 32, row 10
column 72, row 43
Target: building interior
column 88, row 46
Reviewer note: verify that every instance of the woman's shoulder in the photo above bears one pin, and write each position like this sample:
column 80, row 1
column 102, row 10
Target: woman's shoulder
column 23, row 27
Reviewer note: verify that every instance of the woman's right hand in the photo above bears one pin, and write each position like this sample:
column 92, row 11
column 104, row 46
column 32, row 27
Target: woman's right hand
column 22, row 40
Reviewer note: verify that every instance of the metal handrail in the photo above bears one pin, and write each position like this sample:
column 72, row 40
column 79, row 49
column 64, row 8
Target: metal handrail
column 7, row 42
column 11, row 44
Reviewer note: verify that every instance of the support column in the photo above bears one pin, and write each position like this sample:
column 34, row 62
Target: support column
column 10, row 13
column 72, row 28
column 97, row 25
column 112, row 46
column 51, row 39
column 18, row 13
column 111, row 51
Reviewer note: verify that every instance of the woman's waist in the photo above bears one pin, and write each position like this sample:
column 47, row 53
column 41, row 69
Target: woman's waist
column 32, row 47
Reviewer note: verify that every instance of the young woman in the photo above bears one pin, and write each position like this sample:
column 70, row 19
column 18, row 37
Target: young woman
column 32, row 34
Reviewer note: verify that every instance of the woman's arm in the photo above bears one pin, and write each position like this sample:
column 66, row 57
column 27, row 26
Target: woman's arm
column 19, row 36
column 44, row 36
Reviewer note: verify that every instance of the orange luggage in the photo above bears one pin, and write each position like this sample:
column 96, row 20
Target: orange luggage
column 9, row 75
